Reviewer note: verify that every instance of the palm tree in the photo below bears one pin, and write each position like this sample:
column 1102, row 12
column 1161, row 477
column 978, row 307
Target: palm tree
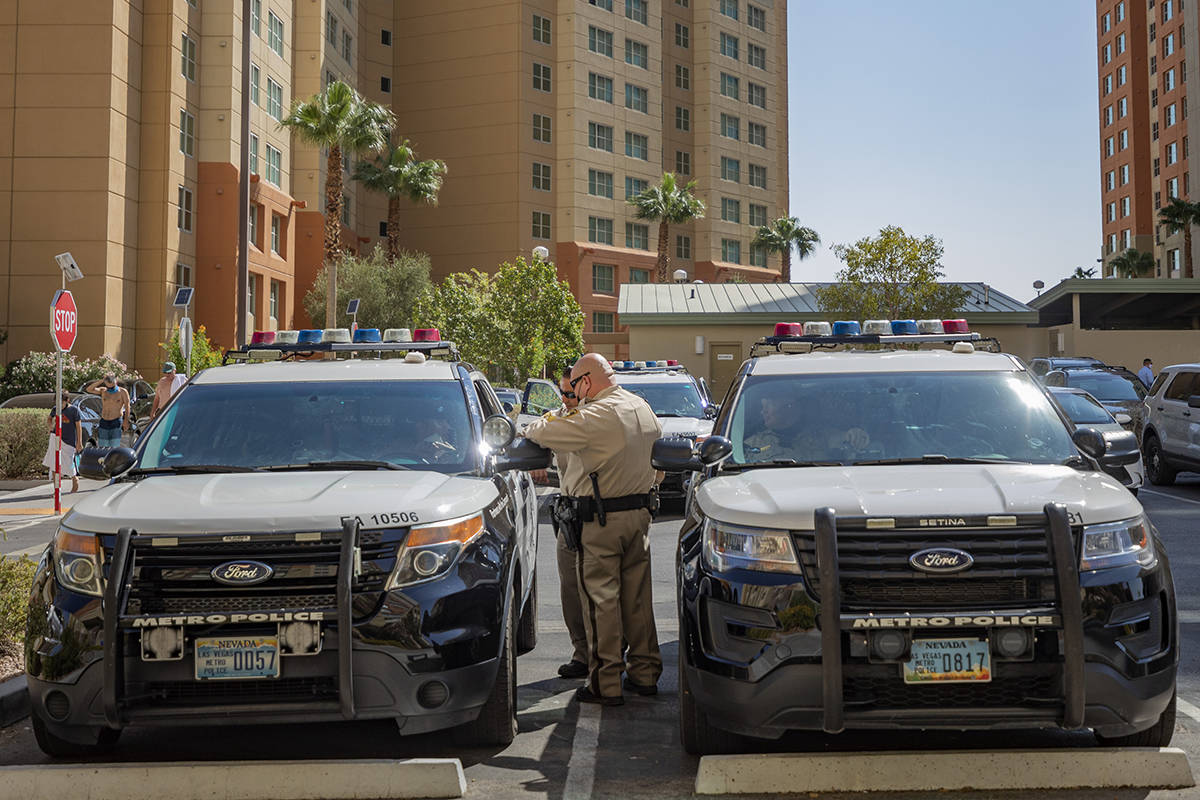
column 1080, row 272
column 781, row 236
column 668, row 203
column 1180, row 215
column 338, row 119
column 397, row 173
column 1133, row 263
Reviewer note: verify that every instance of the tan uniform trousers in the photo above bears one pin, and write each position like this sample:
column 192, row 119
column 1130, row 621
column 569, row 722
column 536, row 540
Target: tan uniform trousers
column 614, row 575
column 572, row 601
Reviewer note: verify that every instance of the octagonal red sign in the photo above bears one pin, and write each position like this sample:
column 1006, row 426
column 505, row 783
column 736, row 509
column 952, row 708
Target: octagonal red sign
column 64, row 320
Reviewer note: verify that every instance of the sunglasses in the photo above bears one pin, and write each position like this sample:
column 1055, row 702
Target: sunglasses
column 569, row 396
column 575, row 381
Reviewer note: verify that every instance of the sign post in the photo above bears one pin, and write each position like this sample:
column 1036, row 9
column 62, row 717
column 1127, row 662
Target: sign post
column 352, row 311
column 64, row 326
column 183, row 299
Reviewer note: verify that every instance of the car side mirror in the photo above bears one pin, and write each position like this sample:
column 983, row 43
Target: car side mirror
column 675, row 454
column 1112, row 449
column 1122, row 418
column 1194, row 401
column 525, row 455
column 711, row 411
column 714, row 450
column 508, row 407
column 117, row 461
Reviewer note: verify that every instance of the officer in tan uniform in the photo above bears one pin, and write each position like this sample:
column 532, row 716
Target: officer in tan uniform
column 609, row 438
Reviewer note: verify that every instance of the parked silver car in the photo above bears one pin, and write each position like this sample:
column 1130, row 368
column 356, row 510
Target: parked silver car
column 1171, row 440
column 1086, row 411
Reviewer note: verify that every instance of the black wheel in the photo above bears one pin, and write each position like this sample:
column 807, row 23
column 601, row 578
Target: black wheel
column 527, row 630
column 1158, row 471
column 699, row 737
column 56, row 746
column 1157, row 735
column 497, row 720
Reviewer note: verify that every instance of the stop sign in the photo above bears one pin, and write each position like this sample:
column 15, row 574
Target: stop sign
column 64, row 321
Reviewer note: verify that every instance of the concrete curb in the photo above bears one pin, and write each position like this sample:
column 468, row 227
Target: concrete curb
column 1090, row 768
column 14, row 700
column 238, row 780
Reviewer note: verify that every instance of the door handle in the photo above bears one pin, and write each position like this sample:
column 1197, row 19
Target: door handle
column 1187, row 413
column 1160, row 408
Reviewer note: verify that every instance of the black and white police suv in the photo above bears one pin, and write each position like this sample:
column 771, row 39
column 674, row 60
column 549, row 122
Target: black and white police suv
column 913, row 539
column 297, row 540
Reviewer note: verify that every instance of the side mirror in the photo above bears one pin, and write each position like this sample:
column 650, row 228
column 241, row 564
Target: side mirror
column 674, row 454
column 117, row 461
column 1113, row 449
column 711, row 411
column 524, row 454
column 1194, row 401
column 1055, row 377
column 714, row 450
column 507, row 406
column 498, row 431
column 1124, row 419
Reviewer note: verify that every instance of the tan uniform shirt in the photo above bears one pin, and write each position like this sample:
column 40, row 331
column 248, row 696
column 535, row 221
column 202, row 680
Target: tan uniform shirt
column 611, row 434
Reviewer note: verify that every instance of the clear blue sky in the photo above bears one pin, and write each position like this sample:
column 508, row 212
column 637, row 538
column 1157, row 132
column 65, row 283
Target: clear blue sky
column 972, row 121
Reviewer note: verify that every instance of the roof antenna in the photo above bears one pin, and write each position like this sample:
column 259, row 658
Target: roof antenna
column 692, row 296
column 987, row 295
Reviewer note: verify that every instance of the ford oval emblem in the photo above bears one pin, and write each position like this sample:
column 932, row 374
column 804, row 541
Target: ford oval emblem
column 941, row 560
column 242, row 573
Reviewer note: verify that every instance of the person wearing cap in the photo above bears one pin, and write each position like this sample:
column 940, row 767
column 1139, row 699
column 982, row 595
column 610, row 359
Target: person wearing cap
column 72, row 438
column 609, row 437
column 115, row 410
column 167, row 386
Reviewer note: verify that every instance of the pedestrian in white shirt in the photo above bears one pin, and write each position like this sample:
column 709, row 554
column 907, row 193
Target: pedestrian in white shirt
column 1146, row 373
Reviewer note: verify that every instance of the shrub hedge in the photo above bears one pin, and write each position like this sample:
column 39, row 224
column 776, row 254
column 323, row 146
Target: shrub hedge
column 23, row 438
column 16, row 577
column 34, row 372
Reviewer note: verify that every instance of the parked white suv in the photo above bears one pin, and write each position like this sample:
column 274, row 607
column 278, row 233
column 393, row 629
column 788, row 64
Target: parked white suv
column 1171, row 440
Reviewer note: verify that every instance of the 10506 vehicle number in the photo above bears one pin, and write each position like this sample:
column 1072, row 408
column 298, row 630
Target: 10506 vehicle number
column 387, row 518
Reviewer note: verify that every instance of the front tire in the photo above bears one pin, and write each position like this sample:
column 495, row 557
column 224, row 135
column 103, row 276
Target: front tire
column 1158, row 471
column 527, row 630
column 497, row 720
column 698, row 735
column 1157, row 735
column 58, row 747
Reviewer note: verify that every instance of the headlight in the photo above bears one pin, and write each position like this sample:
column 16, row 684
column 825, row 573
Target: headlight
column 430, row 550
column 729, row 547
column 77, row 561
column 1118, row 544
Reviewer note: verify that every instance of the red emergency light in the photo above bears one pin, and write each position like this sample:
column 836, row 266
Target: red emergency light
column 262, row 337
column 955, row 326
column 427, row 335
column 789, row 329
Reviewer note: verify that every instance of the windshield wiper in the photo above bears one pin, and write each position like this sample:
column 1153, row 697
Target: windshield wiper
column 936, row 458
column 319, row 465
column 183, row 469
column 782, row 462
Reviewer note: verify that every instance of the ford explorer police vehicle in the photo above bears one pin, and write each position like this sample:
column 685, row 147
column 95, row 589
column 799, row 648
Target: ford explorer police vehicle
column 886, row 538
column 297, row 540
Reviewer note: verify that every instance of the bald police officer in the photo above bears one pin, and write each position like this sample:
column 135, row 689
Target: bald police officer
column 609, row 438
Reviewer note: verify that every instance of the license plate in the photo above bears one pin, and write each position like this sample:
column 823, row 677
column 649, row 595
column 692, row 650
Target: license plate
column 948, row 661
column 233, row 657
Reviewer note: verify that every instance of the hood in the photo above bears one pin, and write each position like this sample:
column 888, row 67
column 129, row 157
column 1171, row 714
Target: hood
column 785, row 498
column 1134, row 408
column 289, row 501
column 685, row 426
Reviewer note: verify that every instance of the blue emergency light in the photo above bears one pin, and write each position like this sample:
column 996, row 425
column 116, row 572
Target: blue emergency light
column 846, row 328
column 367, row 335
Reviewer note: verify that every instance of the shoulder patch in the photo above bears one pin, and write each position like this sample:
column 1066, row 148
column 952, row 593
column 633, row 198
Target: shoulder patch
column 573, row 412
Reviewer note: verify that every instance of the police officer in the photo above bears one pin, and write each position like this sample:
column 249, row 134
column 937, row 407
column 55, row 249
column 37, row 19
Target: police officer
column 609, row 438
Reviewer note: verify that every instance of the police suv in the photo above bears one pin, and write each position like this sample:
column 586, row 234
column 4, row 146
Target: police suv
column 298, row 540
column 910, row 539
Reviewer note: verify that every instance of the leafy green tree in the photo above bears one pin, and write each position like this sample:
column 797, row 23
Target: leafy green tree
column 1180, row 215
column 891, row 276
column 338, row 119
column 667, row 203
column 782, row 236
column 205, row 352
column 34, row 373
column 387, row 289
column 457, row 306
column 398, row 173
column 1133, row 263
column 1080, row 272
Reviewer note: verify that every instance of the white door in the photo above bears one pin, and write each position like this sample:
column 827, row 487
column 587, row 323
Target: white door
column 1179, row 431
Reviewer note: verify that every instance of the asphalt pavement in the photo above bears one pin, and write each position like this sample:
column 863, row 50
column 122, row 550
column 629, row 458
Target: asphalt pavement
column 564, row 750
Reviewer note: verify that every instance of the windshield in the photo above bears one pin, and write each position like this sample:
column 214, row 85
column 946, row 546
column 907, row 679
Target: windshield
column 1106, row 385
column 846, row 418
column 1083, row 410
column 669, row 399
column 270, row 424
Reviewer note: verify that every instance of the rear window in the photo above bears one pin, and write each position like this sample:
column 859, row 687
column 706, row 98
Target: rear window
column 1082, row 409
column 1106, row 385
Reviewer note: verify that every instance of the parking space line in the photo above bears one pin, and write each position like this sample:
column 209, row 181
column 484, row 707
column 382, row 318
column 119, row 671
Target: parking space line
column 1170, row 496
column 581, row 769
column 1187, row 708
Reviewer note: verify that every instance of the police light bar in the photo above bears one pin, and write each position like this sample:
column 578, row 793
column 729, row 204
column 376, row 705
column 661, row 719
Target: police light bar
column 427, row 335
column 367, row 336
column 262, row 337
column 287, row 337
column 274, row 345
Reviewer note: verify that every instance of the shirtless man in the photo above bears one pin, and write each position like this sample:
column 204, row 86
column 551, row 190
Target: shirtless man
column 115, row 411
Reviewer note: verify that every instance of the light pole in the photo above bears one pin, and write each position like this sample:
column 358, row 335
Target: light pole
column 243, row 267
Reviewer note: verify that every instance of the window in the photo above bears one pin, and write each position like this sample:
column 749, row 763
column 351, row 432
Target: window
column 600, row 136
column 635, row 186
column 187, row 133
column 757, row 95
column 275, row 33
column 541, row 128
column 187, row 65
column 1123, row 139
column 600, row 184
column 636, row 10
column 541, row 177
column 636, row 53
column 1170, row 115
column 382, row 228
column 254, row 155
column 603, row 281
column 602, row 322
column 1122, row 71
column 600, row 41
column 731, row 251
column 1168, row 10
column 274, row 99
column 683, row 247
column 1173, row 188
column 385, row 84
column 274, row 299
column 541, row 77
column 1110, row 181
column 348, row 47
column 183, row 274
column 1106, row 23
column 730, row 8
column 1108, row 146
column 756, row 134
column 1173, row 260
column 605, row 4
column 255, row 210
column 637, row 236
column 1172, row 153
column 331, row 27
column 1112, row 212
column 682, row 3
column 731, row 210
column 600, row 88
column 1125, row 169
column 185, row 209
column 1121, row 11
column 329, row 78
column 1126, row 238
column 254, row 79
column 731, row 126
column 252, row 300
column 683, row 77
column 637, row 146
column 275, row 234
column 1154, row 98
column 729, row 46
column 1107, row 53
column 1169, row 80
column 1108, row 84
column 683, row 119
column 639, row 275
column 1120, row 43
column 1153, row 64
column 541, row 225
column 274, row 166
column 256, row 17
column 756, row 18
column 756, row 56
column 758, row 256
column 729, row 86
column 758, row 215
column 1108, row 115
column 637, row 98
column 758, row 176
column 1112, row 243
column 682, row 35
column 1156, row 167
column 1122, row 107
column 731, row 169
column 541, row 29
column 1124, row 206
column 1168, row 45
column 683, row 163
column 1153, row 132
column 600, row 230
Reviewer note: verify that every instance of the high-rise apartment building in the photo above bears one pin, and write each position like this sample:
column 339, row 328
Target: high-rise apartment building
column 1143, row 53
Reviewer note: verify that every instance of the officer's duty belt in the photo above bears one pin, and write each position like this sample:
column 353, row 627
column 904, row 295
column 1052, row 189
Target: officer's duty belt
column 629, row 502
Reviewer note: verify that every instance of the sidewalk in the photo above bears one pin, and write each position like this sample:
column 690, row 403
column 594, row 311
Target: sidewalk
column 39, row 500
